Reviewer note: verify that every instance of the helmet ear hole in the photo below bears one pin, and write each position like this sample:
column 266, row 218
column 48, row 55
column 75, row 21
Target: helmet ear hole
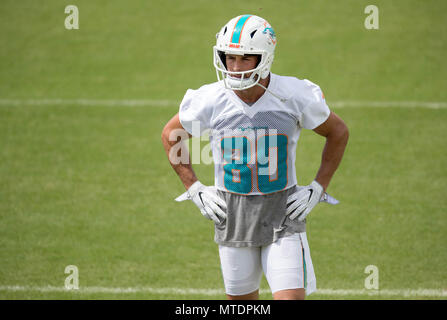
column 253, row 34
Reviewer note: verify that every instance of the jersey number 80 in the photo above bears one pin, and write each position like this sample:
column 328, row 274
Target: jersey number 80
column 271, row 163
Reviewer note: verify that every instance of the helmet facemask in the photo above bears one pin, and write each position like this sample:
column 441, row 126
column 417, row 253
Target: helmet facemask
column 241, row 80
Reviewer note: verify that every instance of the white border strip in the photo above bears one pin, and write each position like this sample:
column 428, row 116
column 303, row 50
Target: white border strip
column 215, row 292
column 174, row 103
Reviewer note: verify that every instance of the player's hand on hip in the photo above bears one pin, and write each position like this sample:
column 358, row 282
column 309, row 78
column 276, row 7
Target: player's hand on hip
column 301, row 202
column 208, row 201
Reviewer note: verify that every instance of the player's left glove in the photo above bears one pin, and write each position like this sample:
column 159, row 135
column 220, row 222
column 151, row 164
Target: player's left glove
column 300, row 203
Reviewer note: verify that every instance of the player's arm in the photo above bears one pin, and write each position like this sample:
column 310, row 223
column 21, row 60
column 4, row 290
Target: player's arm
column 336, row 133
column 300, row 203
column 205, row 198
column 173, row 136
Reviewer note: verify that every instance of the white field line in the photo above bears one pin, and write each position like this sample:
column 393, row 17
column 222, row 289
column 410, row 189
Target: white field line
column 174, row 103
column 387, row 104
column 216, row 292
column 90, row 102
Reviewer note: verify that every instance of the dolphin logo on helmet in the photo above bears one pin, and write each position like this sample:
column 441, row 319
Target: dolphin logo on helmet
column 271, row 33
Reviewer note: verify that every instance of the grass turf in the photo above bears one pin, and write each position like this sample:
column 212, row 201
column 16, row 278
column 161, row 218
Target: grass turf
column 91, row 186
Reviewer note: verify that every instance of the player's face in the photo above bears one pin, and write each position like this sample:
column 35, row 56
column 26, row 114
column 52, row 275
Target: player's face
column 237, row 63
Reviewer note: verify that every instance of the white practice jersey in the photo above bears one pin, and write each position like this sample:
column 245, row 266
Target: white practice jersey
column 254, row 146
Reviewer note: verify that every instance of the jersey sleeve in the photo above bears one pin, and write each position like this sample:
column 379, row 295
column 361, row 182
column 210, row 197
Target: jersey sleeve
column 316, row 111
column 194, row 113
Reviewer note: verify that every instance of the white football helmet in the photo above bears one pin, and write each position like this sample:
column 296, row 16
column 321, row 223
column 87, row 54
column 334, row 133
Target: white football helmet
column 245, row 34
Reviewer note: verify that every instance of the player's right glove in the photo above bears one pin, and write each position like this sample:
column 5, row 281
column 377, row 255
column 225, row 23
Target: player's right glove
column 208, row 201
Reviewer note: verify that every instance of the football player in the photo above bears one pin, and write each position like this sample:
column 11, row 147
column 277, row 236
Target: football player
column 254, row 119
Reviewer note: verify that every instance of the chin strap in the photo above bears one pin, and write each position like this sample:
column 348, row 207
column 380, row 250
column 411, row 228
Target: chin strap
column 238, row 81
column 273, row 94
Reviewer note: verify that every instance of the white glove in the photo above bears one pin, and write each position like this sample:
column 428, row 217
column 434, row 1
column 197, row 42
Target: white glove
column 208, row 201
column 300, row 203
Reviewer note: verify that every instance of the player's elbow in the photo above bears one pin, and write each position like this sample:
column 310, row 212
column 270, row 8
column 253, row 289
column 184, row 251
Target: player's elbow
column 341, row 132
column 344, row 131
column 165, row 133
column 167, row 137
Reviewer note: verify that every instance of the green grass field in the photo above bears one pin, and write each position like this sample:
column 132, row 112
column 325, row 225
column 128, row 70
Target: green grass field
column 90, row 185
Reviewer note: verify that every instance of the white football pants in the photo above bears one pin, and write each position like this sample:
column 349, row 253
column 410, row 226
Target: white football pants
column 286, row 264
